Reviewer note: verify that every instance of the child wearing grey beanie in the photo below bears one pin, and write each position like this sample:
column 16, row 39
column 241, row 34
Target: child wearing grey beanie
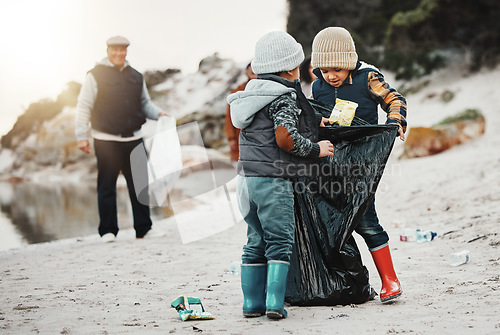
column 278, row 142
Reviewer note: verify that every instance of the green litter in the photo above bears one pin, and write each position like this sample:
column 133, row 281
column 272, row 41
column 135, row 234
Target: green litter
column 190, row 308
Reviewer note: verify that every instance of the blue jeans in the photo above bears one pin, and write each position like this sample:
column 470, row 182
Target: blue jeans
column 267, row 206
column 370, row 229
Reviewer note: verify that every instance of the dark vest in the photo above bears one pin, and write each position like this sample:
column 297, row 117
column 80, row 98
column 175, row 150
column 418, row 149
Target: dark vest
column 357, row 92
column 261, row 156
column 117, row 109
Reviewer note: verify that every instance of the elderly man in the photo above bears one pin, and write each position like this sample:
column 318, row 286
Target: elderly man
column 113, row 104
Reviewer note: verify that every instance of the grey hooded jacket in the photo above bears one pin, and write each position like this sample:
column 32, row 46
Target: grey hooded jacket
column 269, row 107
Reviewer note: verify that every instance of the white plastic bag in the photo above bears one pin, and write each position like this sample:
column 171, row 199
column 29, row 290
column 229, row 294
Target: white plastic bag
column 165, row 161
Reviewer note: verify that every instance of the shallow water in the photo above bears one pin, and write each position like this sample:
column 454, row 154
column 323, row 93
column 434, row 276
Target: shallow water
column 43, row 212
column 35, row 213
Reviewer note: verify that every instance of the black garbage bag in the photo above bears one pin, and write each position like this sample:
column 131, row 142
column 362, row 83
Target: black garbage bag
column 326, row 267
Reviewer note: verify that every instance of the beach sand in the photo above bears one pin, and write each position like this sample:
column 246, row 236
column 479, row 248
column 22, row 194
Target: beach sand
column 83, row 286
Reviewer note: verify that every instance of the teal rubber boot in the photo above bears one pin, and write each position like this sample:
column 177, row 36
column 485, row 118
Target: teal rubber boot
column 253, row 285
column 277, row 274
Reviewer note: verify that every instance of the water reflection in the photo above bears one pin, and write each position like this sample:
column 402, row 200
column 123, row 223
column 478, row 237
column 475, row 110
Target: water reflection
column 53, row 211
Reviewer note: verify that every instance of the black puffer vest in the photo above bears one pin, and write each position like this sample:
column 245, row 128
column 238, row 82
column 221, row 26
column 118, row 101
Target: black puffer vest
column 357, row 92
column 261, row 156
column 117, row 109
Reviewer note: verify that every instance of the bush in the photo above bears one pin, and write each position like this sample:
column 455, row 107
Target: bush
column 468, row 114
column 405, row 36
column 447, row 96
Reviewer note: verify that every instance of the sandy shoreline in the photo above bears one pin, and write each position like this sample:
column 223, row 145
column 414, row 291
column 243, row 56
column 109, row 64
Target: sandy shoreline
column 82, row 286
column 86, row 287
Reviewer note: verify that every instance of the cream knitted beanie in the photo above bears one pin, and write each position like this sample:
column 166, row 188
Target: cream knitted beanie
column 334, row 47
column 277, row 51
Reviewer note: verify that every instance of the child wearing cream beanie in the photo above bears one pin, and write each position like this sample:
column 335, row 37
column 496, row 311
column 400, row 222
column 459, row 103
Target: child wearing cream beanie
column 341, row 75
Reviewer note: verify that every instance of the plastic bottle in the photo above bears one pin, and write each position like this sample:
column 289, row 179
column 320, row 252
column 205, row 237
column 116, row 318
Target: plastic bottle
column 412, row 235
column 409, row 235
column 425, row 236
column 459, row 258
column 235, row 268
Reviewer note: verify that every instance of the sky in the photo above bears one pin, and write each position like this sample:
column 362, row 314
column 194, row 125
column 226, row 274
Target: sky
column 45, row 44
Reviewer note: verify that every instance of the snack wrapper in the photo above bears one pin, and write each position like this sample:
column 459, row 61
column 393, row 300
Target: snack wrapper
column 343, row 112
column 190, row 308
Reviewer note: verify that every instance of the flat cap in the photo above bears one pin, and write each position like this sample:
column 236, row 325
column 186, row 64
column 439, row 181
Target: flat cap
column 117, row 40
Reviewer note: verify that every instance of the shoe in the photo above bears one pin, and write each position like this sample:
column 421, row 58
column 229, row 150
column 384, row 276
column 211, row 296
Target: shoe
column 253, row 285
column 391, row 288
column 108, row 237
column 153, row 233
column 277, row 274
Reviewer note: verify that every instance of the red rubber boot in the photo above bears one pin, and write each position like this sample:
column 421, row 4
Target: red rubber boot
column 391, row 288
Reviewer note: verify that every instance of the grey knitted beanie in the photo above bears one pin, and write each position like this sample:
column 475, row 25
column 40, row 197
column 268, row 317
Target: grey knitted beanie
column 277, row 51
column 334, row 47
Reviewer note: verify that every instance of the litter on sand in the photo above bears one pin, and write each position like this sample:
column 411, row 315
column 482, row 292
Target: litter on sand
column 190, row 308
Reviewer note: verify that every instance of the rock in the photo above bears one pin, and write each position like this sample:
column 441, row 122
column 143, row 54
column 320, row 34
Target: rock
column 211, row 127
column 209, row 63
column 424, row 141
column 201, row 97
column 54, row 143
column 153, row 78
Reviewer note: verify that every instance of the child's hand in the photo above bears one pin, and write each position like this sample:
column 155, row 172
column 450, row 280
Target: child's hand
column 324, row 122
column 325, row 148
column 401, row 134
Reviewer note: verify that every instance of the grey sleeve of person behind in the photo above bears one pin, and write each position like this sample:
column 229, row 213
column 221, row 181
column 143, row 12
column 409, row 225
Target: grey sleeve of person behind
column 148, row 107
column 285, row 115
column 85, row 103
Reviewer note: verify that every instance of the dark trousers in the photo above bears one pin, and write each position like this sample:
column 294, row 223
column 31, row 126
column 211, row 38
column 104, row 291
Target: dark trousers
column 112, row 158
